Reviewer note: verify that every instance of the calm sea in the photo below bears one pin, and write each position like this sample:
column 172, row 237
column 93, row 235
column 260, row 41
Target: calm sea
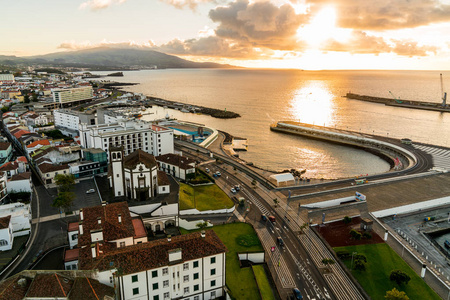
column 263, row 97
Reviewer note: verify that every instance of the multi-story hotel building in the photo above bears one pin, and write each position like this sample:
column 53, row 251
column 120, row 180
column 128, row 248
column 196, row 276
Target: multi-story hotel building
column 67, row 120
column 131, row 135
column 65, row 96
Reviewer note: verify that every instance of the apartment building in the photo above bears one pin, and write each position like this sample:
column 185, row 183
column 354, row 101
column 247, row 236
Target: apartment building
column 67, row 120
column 71, row 95
column 131, row 135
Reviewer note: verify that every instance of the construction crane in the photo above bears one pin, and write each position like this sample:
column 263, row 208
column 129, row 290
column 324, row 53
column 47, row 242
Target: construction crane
column 395, row 98
column 444, row 94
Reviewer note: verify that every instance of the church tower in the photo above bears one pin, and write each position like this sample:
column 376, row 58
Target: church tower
column 117, row 179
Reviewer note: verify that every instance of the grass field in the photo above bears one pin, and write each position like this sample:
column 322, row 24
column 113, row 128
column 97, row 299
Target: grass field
column 263, row 283
column 381, row 260
column 240, row 282
column 205, row 197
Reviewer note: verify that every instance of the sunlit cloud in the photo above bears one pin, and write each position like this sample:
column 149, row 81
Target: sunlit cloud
column 73, row 45
column 100, row 4
column 190, row 4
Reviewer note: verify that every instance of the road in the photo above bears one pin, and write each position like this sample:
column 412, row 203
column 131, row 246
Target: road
column 299, row 262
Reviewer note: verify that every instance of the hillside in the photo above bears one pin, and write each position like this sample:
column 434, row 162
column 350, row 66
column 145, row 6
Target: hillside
column 109, row 58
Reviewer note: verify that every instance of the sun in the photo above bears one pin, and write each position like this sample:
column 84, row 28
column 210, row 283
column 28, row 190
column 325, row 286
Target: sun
column 321, row 28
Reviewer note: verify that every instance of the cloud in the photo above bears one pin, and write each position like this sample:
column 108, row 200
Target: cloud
column 209, row 46
column 259, row 24
column 385, row 14
column 72, row 45
column 191, row 4
column 361, row 43
column 100, row 4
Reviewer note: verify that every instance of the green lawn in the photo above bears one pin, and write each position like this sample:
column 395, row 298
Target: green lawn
column 381, row 260
column 205, row 197
column 263, row 283
column 240, row 282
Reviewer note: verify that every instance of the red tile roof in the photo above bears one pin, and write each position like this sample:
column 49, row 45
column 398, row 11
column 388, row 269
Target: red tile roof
column 20, row 133
column 11, row 289
column 4, row 222
column 21, row 176
column 41, row 142
column 71, row 254
column 72, row 226
column 9, row 166
column 163, row 179
column 22, row 159
column 46, row 167
column 109, row 216
column 49, row 285
column 139, row 156
column 139, row 229
column 88, row 288
column 177, row 160
column 4, row 145
column 154, row 254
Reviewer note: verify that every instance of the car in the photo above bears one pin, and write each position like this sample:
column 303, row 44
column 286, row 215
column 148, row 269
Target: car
column 272, row 219
column 233, row 190
column 218, row 174
column 207, row 170
column 90, row 191
column 263, row 217
column 237, row 187
column 297, row 294
column 280, row 241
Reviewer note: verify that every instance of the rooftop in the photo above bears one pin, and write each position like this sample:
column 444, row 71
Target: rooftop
column 139, row 156
column 177, row 160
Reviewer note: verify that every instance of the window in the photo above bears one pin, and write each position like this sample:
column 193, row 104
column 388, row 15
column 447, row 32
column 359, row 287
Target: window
column 186, row 290
column 185, row 267
column 135, row 291
column 110, row 279
column 3, row 242
column 195, row 275
column 185, row 278
column 118, row 175
column 195, row 264
column 165, row 271
column 118, row 193
column 156, row 297
column 213, row 294
column 213, row 260
column 154, row 274
column 213, row 271
column 155, row 286
column 134, row 278
column 196, row 297
column 74, row 237
column 122, row 244
column 166, row 295
column 196, row 287
column 213, row 283
column 165, row 283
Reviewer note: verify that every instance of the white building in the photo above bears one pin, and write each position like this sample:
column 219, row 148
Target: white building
column 176, row 165
column 132, row 135
column 134, row 176
column 19, row 183
column 70, row 95
column 6, row 78
column 6, row 234
column 20, row 217
column 190, row 266
column 67, row 120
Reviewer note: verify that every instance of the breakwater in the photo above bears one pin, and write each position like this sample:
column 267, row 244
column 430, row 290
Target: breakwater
column 433, row 106
column 384, row 148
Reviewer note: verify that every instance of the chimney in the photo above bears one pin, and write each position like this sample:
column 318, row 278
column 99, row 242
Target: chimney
column 93, row 250
column 99, row 220
column 120, row 218
column 81, row 214
column 103, row 203
column 203, row 234
column 80, row 228
column 169, row 238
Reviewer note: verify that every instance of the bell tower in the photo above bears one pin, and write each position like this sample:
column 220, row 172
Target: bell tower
column 117, row 179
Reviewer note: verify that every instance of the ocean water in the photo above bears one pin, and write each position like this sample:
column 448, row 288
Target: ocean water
column 263, row 97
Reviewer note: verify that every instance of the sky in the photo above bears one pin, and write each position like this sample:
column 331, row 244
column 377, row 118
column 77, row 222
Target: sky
column 301, row 34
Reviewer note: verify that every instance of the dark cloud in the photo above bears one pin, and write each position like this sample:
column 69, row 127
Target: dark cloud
column 385, row 14
column 362, row 43
column 260, row 24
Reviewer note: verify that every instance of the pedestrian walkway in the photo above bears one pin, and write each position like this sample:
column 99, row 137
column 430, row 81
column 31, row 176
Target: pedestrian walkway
column 51, row 218
column 440, row 156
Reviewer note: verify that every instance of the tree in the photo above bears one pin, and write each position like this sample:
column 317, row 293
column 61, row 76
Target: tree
column 305, row 225
column 276, row 201
column 34, row 97
column 26, row 98
column 360, row 265
column 361, row 257
column 64, row 200
column 328, row 261
column 355, row 234
column 347, row 220
column 202, row 225
column 399, row 277
column 65, row 196
column 395, row 294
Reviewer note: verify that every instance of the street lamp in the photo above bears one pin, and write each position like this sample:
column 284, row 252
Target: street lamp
column 353, row 253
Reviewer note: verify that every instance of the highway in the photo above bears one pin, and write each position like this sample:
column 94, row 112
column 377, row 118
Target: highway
column 299, row 262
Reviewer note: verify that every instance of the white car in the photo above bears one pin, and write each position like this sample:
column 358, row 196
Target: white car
column 207, row 170
column 233, row 190
column 90, row 191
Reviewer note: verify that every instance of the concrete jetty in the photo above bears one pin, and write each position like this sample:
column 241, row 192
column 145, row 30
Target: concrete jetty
column 423, row 105
column 386, row 148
